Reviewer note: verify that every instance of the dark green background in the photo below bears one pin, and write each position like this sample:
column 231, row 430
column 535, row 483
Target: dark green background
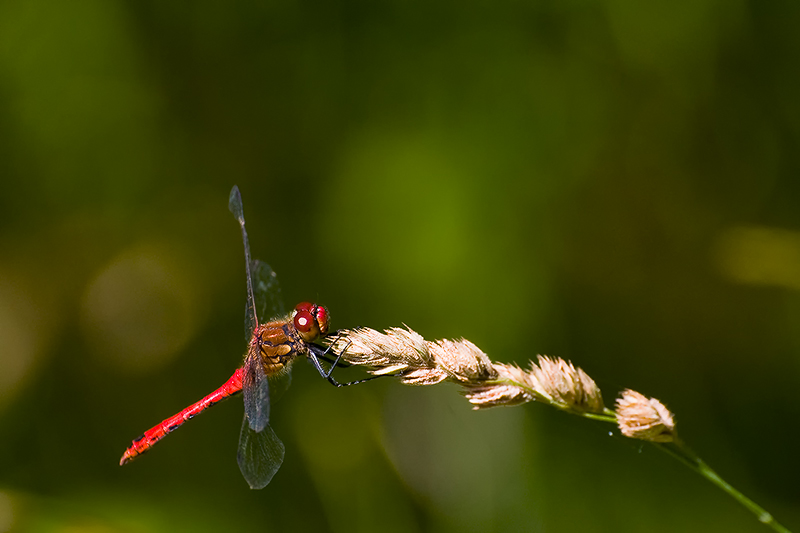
column 615, row 183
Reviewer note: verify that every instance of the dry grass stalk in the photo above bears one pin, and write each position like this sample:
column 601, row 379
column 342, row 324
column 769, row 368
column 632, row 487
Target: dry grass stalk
column 403, row 353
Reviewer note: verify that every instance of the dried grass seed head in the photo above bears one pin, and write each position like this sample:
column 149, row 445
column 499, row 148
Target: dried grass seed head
column 403, row 352
column 639, row 417
column 566, row 386
column 462, row 360
column 496, row 395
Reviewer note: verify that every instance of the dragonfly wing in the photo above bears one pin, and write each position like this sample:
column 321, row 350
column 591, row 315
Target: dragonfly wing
column 267, row 291
column 260, row 455
column 255, row 388
column 250, row 318
column 250, row 321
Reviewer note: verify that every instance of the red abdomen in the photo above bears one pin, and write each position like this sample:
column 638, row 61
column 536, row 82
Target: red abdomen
column 153, row 435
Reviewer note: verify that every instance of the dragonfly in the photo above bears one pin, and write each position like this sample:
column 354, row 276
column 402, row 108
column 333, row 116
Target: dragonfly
column 272, row 348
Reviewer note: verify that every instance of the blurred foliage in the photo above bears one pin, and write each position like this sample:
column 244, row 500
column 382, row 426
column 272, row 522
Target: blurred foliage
column 614, row 183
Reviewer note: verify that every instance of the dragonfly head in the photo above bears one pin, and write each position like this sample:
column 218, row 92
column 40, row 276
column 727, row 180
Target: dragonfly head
column 310, row 321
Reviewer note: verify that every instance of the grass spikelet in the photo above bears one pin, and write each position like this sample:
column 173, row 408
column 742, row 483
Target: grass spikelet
column 639, row 417
column 463, row 361
column 568, row 387
column 399, row 352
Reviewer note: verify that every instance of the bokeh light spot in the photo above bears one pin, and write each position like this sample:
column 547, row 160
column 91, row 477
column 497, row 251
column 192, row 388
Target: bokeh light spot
column 6, row 513
column 140, row 310
column 22, row 340
column 760, row 256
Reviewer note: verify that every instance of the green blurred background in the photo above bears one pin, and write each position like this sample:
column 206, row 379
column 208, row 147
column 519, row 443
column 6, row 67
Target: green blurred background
column 615, row 183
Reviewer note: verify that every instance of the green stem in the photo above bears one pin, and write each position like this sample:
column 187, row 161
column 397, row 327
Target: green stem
column 603, row 418
column 682, row 453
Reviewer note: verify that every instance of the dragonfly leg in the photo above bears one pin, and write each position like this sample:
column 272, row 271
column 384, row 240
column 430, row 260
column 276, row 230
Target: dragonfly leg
column 324, row 355
column 336, row 361
column 315, row 356
column 329, row 360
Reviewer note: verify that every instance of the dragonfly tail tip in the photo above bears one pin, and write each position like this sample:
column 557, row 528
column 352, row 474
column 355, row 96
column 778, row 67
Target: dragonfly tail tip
column 127, row 457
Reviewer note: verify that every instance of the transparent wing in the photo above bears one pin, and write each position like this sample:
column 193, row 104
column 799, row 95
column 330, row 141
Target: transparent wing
column 250, row 317
column 255, row 389
column 260, row 455
column 269, row 304
column 267, row 291
column 250, row 321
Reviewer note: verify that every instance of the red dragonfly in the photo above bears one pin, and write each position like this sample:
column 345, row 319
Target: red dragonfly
column 272, row 348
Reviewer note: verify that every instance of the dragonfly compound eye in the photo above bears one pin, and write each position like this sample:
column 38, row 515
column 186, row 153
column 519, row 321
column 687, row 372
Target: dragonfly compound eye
column 305, row 306
column 305, row 321
column 323, row 319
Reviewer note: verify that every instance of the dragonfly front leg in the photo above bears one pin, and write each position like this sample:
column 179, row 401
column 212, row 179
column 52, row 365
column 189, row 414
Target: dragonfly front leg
column 315, row 353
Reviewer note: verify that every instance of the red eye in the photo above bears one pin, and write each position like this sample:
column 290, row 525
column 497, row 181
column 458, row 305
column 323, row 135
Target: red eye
column 303, row 320
column 322, row 319
column 310, row 321
column 305, row 306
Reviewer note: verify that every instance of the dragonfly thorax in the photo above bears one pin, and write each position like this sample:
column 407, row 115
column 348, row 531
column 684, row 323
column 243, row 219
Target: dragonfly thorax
column 277, row 344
